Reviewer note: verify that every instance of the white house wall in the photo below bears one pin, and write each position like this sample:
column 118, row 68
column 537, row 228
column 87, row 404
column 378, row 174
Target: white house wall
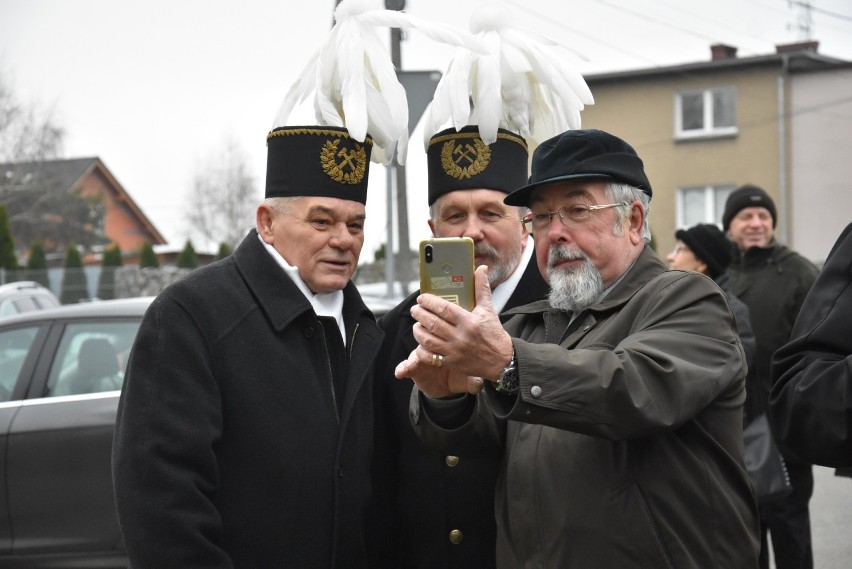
column 820, row 159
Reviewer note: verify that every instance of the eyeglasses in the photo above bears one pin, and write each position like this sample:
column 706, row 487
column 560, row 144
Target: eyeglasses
column 575, row 214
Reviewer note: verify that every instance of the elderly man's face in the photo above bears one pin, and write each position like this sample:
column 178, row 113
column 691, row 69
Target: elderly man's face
column 498, row 235
column 581, row 258
column 751, row 227
column 321, row 236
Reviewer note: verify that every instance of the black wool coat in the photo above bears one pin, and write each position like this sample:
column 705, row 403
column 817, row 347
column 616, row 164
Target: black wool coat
column 229, row 450
column 811, row 399
column 420, row 494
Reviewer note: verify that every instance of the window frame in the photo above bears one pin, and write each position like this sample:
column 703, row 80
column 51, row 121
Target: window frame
column 714, row 195
column 708, row 130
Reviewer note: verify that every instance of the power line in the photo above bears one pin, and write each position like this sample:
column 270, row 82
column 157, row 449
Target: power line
column 655, row 20
column 549, row 20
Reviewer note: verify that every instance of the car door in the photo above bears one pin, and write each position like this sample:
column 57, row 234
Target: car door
column 58, row 472
column 19, row 349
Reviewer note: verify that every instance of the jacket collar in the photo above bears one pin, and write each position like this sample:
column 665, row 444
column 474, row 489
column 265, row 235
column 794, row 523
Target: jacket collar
column 647, row 266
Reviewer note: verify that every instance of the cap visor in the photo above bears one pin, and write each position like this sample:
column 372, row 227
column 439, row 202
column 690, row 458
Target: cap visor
column 521, row 196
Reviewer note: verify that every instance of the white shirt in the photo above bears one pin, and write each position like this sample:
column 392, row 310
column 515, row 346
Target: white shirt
column 330, row 304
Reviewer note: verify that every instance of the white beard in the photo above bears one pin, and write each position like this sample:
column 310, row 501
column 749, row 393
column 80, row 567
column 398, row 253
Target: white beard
column 498, row 268
column 572, row 290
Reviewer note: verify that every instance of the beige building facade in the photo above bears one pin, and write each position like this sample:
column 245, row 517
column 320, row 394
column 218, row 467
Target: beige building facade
column 780, row 121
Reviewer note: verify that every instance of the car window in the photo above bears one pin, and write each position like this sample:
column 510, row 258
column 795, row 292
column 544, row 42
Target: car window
column 25, row 304
column 7, row 308
column 91, row 358
column 14, row 346
column 45, row 301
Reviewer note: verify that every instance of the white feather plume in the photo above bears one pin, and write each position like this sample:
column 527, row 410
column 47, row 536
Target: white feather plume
column 524, row 84
column 353, row 80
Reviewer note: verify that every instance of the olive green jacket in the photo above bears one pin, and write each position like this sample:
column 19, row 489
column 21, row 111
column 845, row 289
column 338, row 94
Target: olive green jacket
column 623, row 446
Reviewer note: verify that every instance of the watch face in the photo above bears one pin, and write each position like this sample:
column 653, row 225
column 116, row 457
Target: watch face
column 508, row 381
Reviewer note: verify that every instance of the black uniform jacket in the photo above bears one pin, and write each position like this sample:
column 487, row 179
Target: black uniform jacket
column 811, row 400
column 422, row 495
column 229, row 449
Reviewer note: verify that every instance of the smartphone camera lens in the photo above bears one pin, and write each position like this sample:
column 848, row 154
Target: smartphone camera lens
column 428, row 253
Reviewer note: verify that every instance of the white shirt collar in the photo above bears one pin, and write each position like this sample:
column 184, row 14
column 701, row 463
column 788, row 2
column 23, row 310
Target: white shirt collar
column 330, row 304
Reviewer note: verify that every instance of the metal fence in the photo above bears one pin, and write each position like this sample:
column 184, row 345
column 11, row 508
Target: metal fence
column 96, row 282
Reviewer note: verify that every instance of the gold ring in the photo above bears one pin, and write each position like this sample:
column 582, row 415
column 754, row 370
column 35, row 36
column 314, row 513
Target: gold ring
column 437, row 360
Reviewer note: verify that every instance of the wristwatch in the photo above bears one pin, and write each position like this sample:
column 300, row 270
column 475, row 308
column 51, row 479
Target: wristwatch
column 508, row 382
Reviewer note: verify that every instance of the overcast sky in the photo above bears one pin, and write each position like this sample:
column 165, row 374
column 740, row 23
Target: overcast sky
column 156, row 88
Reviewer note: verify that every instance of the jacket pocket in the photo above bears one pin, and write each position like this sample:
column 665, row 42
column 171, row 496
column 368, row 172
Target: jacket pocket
column 639, row 528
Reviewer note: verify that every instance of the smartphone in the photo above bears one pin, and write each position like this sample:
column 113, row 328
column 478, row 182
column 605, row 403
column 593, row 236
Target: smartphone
column 446, row 269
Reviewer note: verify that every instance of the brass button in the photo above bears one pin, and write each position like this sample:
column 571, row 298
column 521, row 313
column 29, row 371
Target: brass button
column 451, row 460
column 456, row 537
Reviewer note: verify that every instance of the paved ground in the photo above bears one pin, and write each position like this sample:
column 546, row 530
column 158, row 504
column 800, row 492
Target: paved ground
column 831, row 520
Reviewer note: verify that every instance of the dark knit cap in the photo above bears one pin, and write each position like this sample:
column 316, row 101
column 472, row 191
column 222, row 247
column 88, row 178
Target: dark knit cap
column 317, row 161
column 747, row 196
column 460, row 160
column 582, row 154
column 709, row 244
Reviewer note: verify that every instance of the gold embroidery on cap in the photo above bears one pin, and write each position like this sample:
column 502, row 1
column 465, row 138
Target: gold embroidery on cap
column 465, row 160
column 343, row 165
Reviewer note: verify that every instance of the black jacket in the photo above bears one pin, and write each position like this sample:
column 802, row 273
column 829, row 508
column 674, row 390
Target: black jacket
column 811, row 399
column 421, row 495
column 229, row 451
column 741, row 317
column 773, row 283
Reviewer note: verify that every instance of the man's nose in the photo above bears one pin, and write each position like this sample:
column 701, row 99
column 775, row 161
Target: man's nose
column 473, row 228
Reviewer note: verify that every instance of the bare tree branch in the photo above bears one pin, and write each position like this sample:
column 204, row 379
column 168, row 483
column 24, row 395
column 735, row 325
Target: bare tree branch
column 223, row 198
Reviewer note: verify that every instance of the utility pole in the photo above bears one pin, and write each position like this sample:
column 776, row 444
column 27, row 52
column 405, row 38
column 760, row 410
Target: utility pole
column 403, row 272
column 805, row 19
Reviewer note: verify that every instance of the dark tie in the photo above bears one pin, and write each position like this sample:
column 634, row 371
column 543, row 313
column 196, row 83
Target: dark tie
column 337, row 357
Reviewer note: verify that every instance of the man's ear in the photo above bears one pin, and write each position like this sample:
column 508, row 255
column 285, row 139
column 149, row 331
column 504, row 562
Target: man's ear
column 264, row 219
column 636, row 222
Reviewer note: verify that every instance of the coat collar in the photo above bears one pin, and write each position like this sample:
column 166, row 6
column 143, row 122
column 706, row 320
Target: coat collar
column 277, row 295
column 531, row 287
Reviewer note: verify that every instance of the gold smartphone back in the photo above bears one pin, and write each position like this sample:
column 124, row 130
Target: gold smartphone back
column 446, row 269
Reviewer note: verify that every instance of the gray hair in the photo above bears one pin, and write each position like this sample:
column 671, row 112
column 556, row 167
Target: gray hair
column 624, row 194
column 281, row 204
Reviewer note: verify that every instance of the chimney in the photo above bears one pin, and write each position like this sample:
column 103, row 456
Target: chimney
column 799, row 46
column 720, row 51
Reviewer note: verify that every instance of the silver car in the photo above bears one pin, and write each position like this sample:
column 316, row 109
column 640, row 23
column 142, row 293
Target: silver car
column 25, row 296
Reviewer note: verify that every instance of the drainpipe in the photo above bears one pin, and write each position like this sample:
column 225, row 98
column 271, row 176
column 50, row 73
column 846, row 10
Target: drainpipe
column 783, row 206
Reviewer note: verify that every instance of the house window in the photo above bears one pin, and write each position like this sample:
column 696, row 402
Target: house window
column 708, row 112
column 701, row 204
